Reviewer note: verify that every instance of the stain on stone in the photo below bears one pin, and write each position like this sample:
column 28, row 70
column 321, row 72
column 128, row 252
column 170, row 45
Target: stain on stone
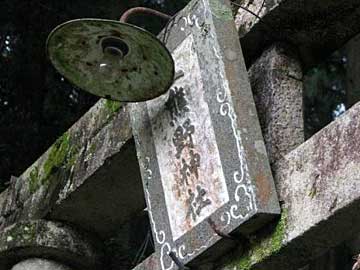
column 335, row 143
column 220, row 10
column 263, row 185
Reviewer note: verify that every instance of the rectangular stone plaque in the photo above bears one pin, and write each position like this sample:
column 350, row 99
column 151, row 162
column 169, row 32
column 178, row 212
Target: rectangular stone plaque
column 202, row 157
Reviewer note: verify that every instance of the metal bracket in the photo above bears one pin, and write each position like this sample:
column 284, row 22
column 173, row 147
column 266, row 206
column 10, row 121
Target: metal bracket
column 177, row 261
column 143, row 10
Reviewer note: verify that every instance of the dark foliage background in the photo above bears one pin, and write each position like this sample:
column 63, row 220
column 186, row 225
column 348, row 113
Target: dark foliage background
column 36, row 104
column 325, row 92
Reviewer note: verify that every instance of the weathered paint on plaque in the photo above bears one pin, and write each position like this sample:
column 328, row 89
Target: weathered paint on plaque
column 200, row 147
column 189, row 161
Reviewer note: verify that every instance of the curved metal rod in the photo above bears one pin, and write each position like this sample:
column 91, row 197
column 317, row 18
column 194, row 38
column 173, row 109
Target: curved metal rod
column 143, row 10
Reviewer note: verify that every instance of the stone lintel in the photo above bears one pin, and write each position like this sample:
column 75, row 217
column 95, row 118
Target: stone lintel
column 318, row 185
column 89, row 177
column 316, row 28
column 50, row 241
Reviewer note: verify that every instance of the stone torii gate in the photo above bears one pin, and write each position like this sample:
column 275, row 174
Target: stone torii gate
column 67, row 204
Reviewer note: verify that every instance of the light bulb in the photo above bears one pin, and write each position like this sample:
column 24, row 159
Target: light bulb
column 114, row 50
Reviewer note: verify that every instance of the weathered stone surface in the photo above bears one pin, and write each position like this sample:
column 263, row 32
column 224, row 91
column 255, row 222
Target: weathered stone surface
column 94, row 161
column 203, row 159
column 277, row 87
column 318, row 185
column 152, row 262
column 316, row 28
column 49, row 240
column 39, row 264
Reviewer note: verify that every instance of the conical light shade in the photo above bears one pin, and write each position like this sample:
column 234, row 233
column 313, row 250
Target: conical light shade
column 110, row 59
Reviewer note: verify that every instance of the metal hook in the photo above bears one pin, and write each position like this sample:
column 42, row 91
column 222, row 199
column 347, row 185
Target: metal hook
column 143, row 10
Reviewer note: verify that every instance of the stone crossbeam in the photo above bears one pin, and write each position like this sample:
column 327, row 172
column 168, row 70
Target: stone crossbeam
column 316, row 28
column 89, row 177
column 318, row 185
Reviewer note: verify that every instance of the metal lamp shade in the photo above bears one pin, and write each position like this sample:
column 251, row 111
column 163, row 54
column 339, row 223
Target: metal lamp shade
column 110, row 59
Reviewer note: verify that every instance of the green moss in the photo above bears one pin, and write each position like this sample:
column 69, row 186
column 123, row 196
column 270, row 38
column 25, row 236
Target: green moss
column 220, row 10
column 34, row 180
column 72, row 157
column 106, row 112
column 21, row 233
column 262, row 248
column 92, row 148
column 62, row 155
column 112, row 106
column 312, row 193
column 28, row 232
column 57, row 155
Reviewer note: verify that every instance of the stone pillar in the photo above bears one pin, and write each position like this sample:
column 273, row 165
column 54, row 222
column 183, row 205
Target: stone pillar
column 39, row 264
column 276, row 80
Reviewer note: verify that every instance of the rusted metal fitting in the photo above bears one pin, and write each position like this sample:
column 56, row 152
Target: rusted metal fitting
column 143, row 10
column 178, row 263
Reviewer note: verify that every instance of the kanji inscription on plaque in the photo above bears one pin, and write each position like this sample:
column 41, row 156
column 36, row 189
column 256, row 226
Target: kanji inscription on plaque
column 187, row 156
column 203, row 161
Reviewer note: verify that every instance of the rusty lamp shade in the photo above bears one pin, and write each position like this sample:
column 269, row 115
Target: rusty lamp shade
column 111, row 59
